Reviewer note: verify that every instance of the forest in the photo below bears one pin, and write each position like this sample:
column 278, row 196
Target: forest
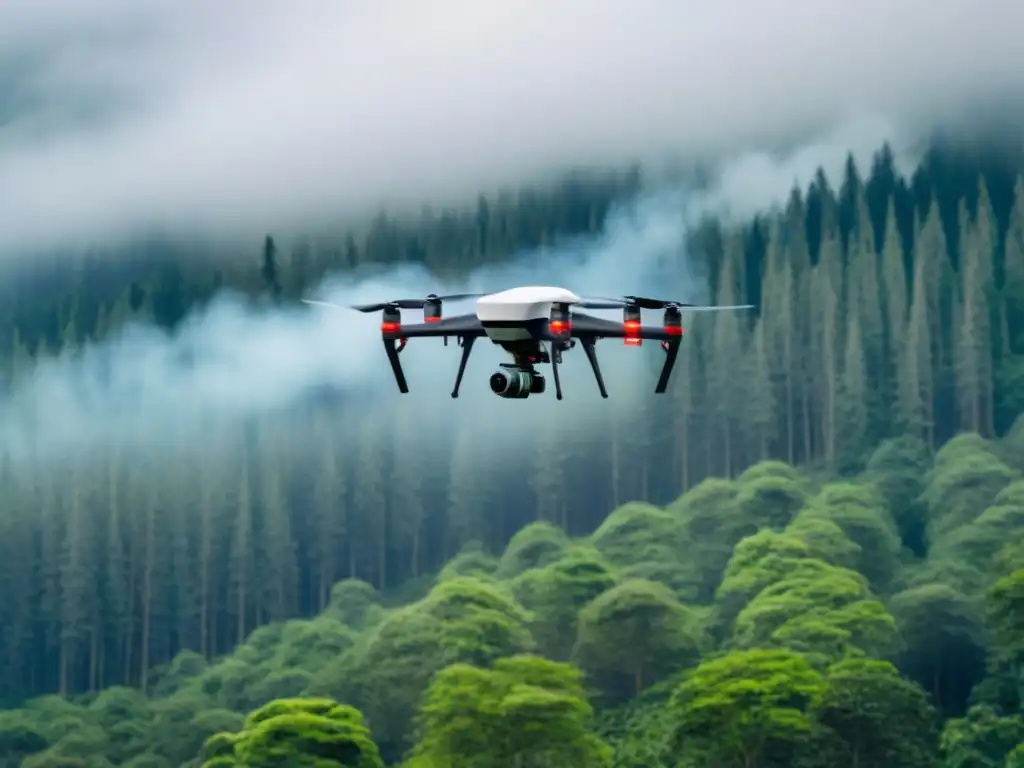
column 809, row 553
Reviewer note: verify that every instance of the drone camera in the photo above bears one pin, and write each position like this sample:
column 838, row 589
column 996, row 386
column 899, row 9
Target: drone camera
column 515, row 383
column 632, row 323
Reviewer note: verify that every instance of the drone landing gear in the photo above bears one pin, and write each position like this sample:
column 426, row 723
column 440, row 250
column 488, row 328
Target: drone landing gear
column 556, row 358
column 588, row 347
column 393, row 346
column 671, row 348
column 466, row 342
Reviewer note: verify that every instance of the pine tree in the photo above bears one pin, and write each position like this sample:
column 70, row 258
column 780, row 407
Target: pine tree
column 330, row 512
column 277, row 566
column 824, row 380
column 727, row 357
column 915, row 373
column 852, row 397
column 974, row 367
column 760, row 411
column 371, row 515
column 1013, row 281
column 241, row 553
column 865, row 299
column 894, row 289
column 409, row 483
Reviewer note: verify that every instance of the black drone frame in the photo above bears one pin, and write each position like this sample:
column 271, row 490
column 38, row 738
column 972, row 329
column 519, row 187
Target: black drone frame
column 561, row 331
column 559, row 335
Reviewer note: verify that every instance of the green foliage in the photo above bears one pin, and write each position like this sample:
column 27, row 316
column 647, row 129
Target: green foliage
column 177, row 606
column 635, row 634
column 785, row 664
column 1005, row 604
column 943, row 642
column 461, row 620
column 533, row 546
column 980, row 739
column 769, row 500
column 897, row 468
column 315, row 733
column 525, row 710
column 879, row 718
column 555, row 594
column 351, row 602
column 646, row 542
column 732, row 709
column 472, row 561
column 824, row 611
column 859, row 513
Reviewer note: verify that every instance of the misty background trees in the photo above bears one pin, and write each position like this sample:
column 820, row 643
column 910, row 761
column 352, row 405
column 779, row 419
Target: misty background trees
column 888, row 351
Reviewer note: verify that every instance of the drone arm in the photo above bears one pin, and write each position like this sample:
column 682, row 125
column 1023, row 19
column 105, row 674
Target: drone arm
column 467, row 326
column 671, row 352
column 584, row 325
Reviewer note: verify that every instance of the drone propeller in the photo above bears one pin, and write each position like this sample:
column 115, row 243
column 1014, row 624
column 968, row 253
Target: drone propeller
column 641, row 302
column 397, row 303
column 323, row 303
column 413, row 303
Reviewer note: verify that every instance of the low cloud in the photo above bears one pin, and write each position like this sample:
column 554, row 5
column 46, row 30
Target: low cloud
column 208, row 116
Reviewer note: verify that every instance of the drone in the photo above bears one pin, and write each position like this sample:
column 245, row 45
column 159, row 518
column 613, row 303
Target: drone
column 527, row 322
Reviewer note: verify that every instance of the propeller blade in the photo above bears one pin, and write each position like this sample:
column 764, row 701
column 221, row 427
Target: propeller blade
column 370, row 307
column 602, row 304
column 323, row 303
column 645, row 303
column 458, row 296
column 414, row 303
column 640, row 302
column 721, row 308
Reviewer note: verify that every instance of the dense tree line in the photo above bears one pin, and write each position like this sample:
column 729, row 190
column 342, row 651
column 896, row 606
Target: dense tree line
column 774, row 619
column 163, row 595
column 52, row 299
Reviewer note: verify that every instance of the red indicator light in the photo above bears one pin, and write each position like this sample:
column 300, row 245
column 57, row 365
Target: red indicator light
column 431, row 319
column 632, row 333
column 389, row 327
column 559, row 327
column 674, row 330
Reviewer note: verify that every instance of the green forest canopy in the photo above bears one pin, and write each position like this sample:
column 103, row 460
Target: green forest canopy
column 770, row 620
column 841, row 582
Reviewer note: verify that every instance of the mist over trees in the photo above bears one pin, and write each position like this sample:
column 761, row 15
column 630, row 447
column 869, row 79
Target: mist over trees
column 825, row 508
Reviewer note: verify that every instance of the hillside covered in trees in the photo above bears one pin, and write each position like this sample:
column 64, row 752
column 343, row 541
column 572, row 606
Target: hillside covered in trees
column 808, row 554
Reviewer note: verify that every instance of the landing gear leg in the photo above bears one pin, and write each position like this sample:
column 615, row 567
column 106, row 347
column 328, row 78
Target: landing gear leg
column 672, row 351
column 588, row 347
column 391, row 346
column 467, row 347
column 556, row 358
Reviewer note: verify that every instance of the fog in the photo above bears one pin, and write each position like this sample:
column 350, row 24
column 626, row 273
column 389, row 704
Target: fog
column 120, row 116
column 232, row 361
column 116, row 115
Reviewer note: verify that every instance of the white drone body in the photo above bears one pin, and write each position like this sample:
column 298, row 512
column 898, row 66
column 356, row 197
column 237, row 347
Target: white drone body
column 505, row 316
column 535, row 324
